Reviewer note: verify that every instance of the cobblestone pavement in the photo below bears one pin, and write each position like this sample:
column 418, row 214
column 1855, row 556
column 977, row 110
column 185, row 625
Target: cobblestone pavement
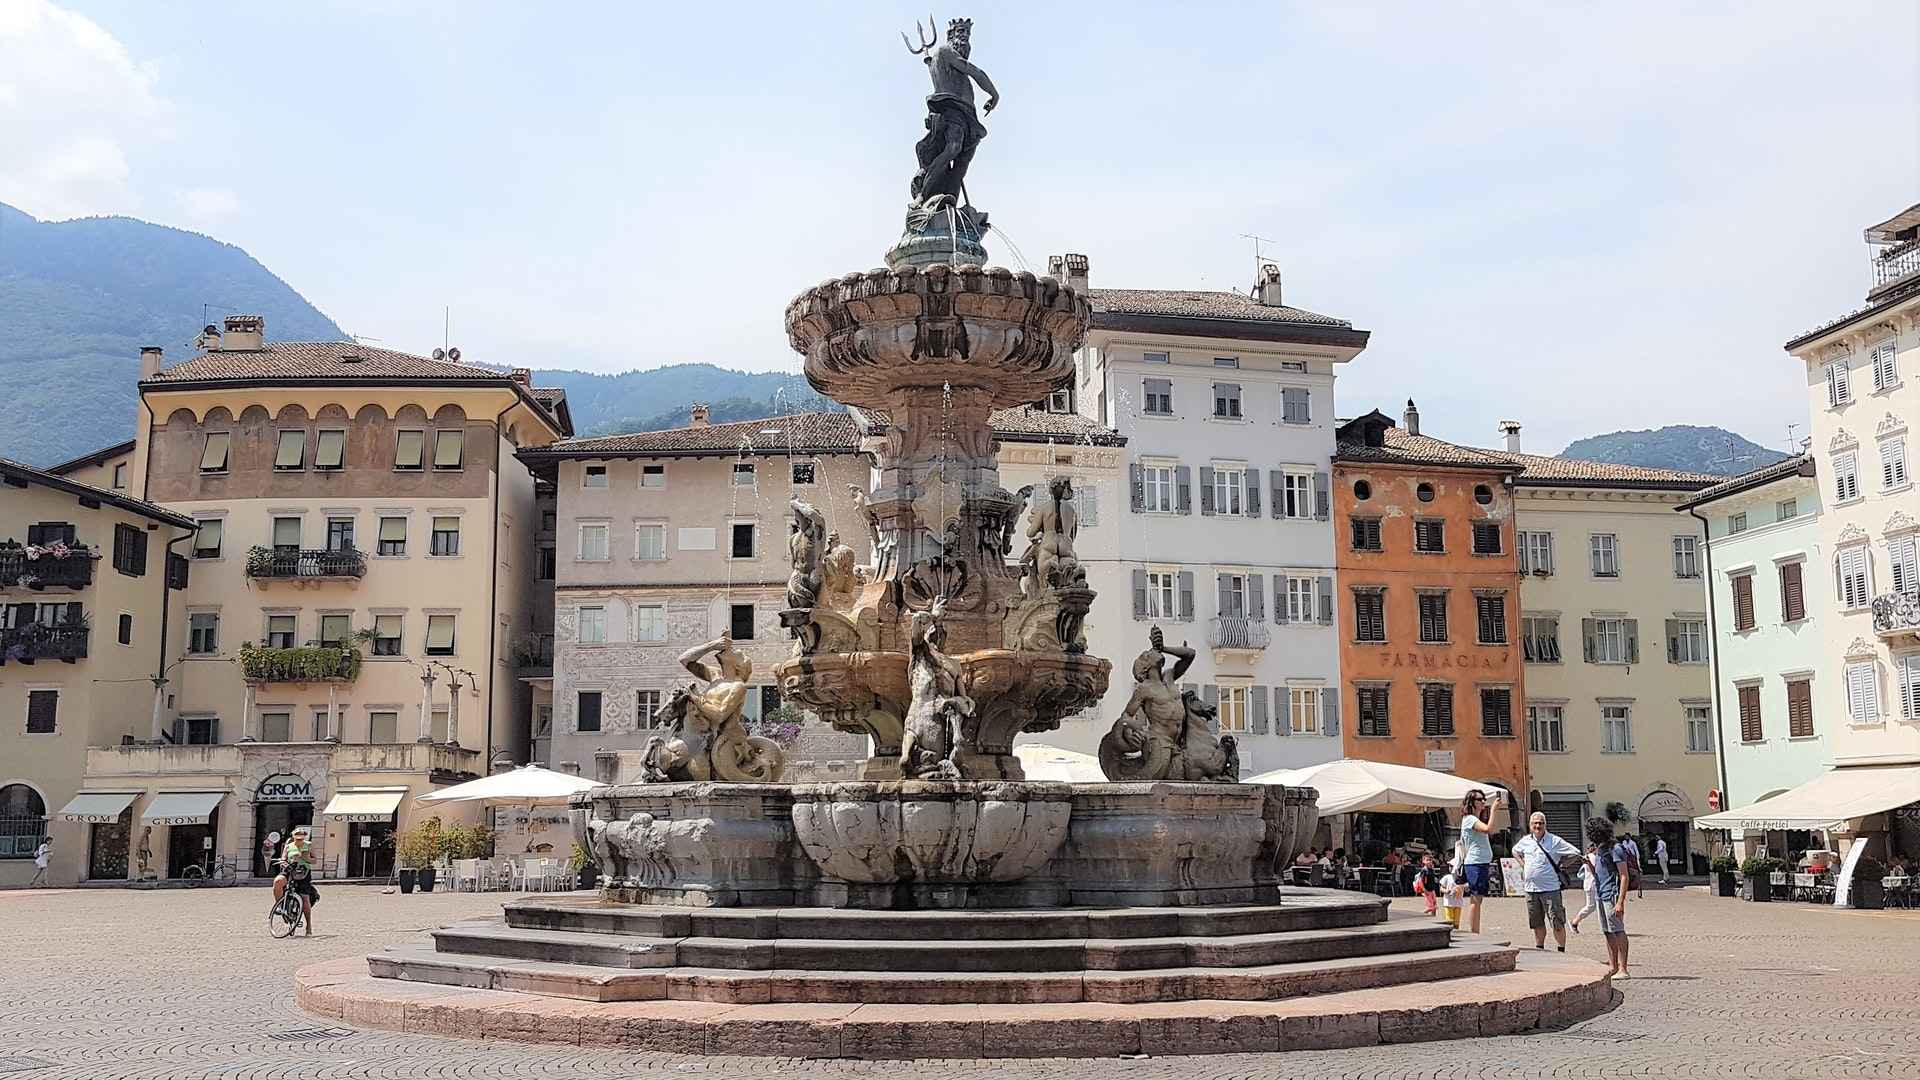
column 188, row 984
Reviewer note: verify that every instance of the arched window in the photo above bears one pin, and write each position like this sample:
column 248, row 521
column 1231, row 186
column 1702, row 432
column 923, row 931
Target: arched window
column 23, row 821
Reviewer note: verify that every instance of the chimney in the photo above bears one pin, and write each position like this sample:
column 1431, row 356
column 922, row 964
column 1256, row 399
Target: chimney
column 1267, row 290
column 523, row 376
column 1511, row 429
column 699, row 416
column 149, row 361
column 245, row 333
column 1069, row 270
column 1410, row 420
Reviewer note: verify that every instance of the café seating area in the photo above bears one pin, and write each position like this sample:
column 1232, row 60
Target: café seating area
column 515, row 873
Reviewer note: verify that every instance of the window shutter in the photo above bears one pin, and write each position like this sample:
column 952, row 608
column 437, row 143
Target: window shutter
column 1520, row 543
column 1221, row 595
column 1321, row 497
column 447, row 446
column 1633, row 639
column 1186, row 595
column 1257, row 698
column 1673, row 641
column 1139, row 594
column 1210, row 694
column 1257, row 597
column 1087, row 501
column 1792, row 593
column 1281, row 615
column 1276, row 486
column 1137, row 482
column 1323, row 596
column 1282, row 711
column 1206, row 489
column 1183, row 489
column 1588, row 648
column 1743, row 601
column 1547, row 560
column 1799, row 708
column 35, row 533
column 1330, row 711
column 1253, row 493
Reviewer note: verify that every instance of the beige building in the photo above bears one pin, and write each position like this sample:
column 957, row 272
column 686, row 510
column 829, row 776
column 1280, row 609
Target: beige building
column 108, row 467
column 83, row 588
column 365, row 561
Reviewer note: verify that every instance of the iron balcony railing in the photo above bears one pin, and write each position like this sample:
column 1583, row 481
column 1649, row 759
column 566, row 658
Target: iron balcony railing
column 278, row 563
column 1896, row 613
column 17, row 568
column 29, row 643
column 1229, row 632
column 1896, row 262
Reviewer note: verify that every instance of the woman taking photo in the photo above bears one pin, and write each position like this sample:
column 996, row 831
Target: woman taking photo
column 1476, row 849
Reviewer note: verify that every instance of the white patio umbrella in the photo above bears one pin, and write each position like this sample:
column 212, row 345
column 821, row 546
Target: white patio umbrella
column 1351, row 785
column 1042, row 762
column 528, row 786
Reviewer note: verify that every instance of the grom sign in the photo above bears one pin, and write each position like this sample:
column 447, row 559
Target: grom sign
column 284, row 787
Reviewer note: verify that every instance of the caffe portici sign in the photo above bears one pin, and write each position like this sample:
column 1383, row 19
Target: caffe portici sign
column 284, row 787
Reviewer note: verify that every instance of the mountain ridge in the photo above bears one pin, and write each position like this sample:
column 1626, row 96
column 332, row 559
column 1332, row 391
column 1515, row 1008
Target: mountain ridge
column 1686, row 447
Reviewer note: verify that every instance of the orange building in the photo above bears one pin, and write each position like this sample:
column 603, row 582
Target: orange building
column 1430, row 586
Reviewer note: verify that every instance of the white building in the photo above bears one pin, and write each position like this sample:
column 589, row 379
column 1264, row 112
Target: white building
column 1225, row 537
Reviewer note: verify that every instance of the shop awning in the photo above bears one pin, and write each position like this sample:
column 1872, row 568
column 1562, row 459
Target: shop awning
column 1827, row 801
column 182, row 807
column 365, row 804
column 97, row 806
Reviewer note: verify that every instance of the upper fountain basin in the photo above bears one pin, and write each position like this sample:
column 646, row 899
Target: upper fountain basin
column 866, row 337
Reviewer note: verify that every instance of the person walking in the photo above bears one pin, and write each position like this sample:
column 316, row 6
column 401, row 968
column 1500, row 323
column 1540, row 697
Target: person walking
column 1610, row 884
column 1426, row 882
column 1540, row 853
column 1660, row 856
column 1588, row 887
column 1636, row 880
column 1450, row 900
column 1476, row 849
column 40, row 856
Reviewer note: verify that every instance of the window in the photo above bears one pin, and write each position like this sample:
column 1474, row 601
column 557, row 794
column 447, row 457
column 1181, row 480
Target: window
column 1886, row 373
column 447, row 448
column 1233, row 708
column 593, row 541
column 1736, row 523
column 124, row 632
column 649, row 622
column 335, row 630
column 1159, row 397
column 286, row 534
column 43, row 711
column 283, row 631
column 1295, row 407
column 1536, row 553
column 1752, row 726
column 339, row 534
column 1429, row 534
column 1155, row 358
column 588, row 717
column 1160, row 595
column 740, row 622
column 291, row 452
column 1369, row 615
column 548, row 560
column 646, row 708
column 407, row 449
column 1856, row 590
column 1233, row 596
column 1616, row 729
column 439, row 635
column 276, row 727
column 178, row 569
column 1226, row 361
column 1903, row 565
column 1300, row 598
column 1786, row 509
column 743, row 474
column 213, row 457
column 1496, row 712
column 330, row 449
column 1906, row 677
column 1743, row 618
column 1603, row 555
column 387, row 635
column 1612, row 641
column 1838, row 392
column 1366, row 534
column 1375, row 712
column 1893, row 464
column 1297, row 498
column 1433, row 617
column 1486, row 538
column 653, row 476
column 1436, row 710
column 1483, row 494
column 1490, row 613
column 383, row 726
column 445, row 539
column 1229, row 484
column 1793, row 600
column 1226, row 401
column 1699, row 720
column 1687, row 641
column 129, row 550
column 650, row 542
column 1156, row 495
column 1800, row 708
column 593, row 626
column 1546, row 729
column 393, row 536
column 1059, row 401
column 1362, row 491
column 1540, row 639
column 1686, row 556
column 741, row 546
column 802, row 471
column 206, row 542
column 120, row 477
column 23, row 821
column 197, row 731
column 1424, row 493
column 203, row 633
column 1863, row 692
column 1846, row 477
column 1303, row 710
column 594, row 476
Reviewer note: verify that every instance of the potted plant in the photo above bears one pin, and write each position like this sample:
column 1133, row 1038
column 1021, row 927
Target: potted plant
column 416, row 849
column 1868, row 893
column 1755, row 875
column 587, row 871
column 1724, row 868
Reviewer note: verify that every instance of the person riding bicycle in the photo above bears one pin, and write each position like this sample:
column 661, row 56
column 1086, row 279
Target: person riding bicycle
column 296, row 873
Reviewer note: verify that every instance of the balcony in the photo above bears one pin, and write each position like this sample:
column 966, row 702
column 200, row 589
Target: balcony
column 1897, row 615
column 533, row 656
column 1894, row 264
column 288, row 564
column 1232, row 634
column 135, row 764
column 306, row 664
column 31, row 566
column 25, row 644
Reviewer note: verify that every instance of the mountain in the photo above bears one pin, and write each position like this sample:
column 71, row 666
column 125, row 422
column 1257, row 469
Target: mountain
column 656, row 399
column 1678, row 446
column 78, row 299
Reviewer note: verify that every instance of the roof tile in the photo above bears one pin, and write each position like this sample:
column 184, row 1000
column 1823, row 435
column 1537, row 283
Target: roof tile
column 1191, row 304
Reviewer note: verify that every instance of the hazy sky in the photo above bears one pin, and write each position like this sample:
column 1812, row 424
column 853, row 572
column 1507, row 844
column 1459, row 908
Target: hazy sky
column 1584, row 217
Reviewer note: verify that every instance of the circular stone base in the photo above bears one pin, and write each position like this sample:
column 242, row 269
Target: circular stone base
column 1543, row 992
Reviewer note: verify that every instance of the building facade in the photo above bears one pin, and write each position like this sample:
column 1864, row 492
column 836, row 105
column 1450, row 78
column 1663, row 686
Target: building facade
column 1429, row 585
column 1223, row 509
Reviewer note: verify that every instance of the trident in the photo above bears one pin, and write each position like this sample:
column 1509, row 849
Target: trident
column 929, row 37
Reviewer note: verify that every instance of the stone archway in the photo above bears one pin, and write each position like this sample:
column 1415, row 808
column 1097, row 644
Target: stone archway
column 315, row 769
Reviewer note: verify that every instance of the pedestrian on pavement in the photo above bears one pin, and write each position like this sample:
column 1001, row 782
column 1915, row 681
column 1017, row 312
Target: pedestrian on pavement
column 1426, row 881
column 1610, row 882
column 1540, row 853
column 1451, row 887
column 1588, row 887
column 1476, row 847
column 1636, row 880
column 40, row 856
column 1660, row 856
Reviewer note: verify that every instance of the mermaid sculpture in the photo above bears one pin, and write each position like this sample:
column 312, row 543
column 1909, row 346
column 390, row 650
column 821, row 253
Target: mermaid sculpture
column 938, row 707
column 709, row 740
column 1166, row 733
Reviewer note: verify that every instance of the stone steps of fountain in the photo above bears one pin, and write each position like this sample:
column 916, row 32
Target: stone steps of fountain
column 910, row 953
column 1303, row 909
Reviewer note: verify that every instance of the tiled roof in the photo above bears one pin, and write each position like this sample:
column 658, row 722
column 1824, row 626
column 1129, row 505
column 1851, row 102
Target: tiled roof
column 28, row 474
column 1404, row 449
column 1183, row 303
column 815, row 431
column 1572, row 472
column 1799, row 464
column 95, row 458
column 1532, row 469
column 1028, row 424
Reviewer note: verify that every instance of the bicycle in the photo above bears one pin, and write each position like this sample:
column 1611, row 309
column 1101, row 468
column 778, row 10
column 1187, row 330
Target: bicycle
column 220, row 872
column 286, row 914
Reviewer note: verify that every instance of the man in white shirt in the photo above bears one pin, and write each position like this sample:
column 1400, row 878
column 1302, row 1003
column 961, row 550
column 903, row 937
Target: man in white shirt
column 1538, row 851
column 1660, row 856
column 40, row 856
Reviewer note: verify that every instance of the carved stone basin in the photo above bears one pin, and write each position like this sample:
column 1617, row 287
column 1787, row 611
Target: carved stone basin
column 931, row 833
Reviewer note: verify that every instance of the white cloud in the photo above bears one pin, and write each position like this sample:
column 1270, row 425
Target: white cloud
column 73, row 104
column 208, row 206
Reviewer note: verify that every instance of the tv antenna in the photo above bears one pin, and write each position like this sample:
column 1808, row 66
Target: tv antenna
column 1793, row 442
column 445, row 351
column 1259, row 259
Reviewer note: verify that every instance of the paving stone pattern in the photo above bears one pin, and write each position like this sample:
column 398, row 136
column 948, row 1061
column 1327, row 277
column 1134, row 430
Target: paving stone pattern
column 106, row 983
